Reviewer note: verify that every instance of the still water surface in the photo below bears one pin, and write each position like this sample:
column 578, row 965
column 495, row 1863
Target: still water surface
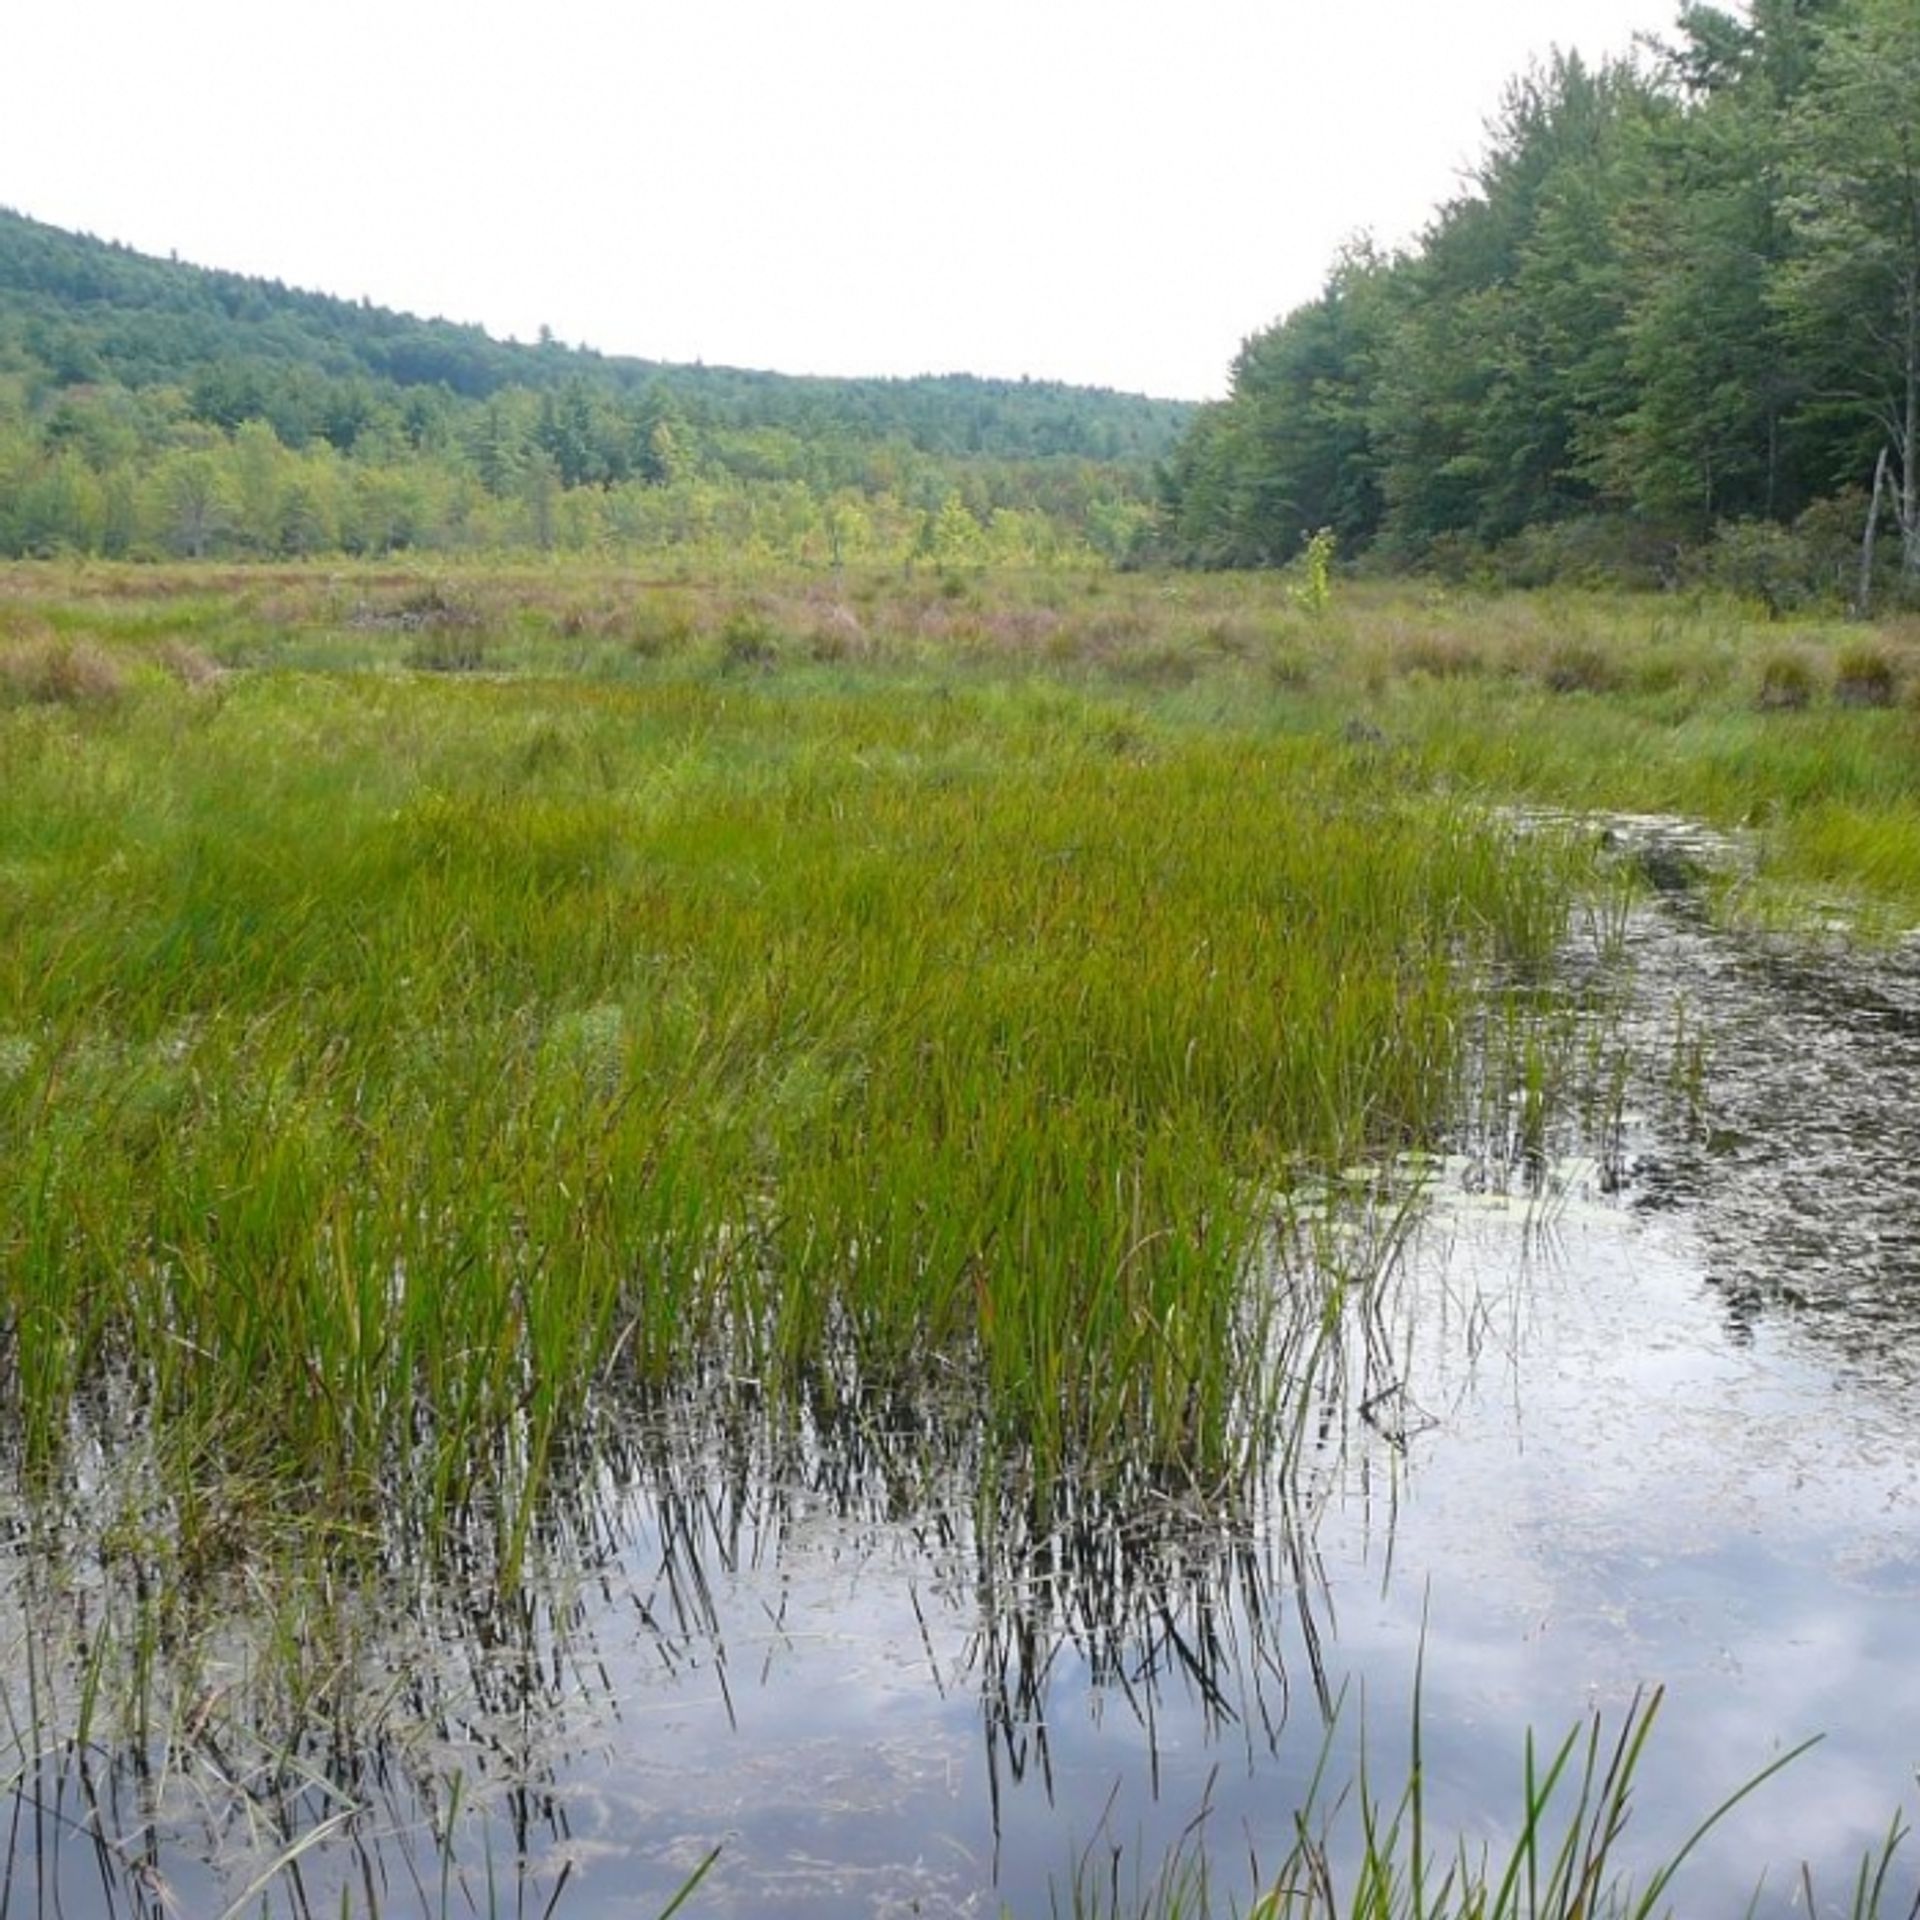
column 1642, row 1409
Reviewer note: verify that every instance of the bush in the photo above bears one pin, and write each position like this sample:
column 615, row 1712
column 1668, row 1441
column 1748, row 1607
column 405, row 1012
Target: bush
column 1593, row 550
column 1458, row 559
column 1760, row 561
column 1829, row 534
column 1313, row 590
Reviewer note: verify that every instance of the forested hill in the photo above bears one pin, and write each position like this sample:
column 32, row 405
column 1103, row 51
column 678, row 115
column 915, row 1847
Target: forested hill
column 1674, row 322
column 115, row 366
column 89, row 310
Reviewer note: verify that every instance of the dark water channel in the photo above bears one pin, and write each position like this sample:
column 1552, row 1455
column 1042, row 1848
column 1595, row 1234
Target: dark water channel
column 1653, row 1416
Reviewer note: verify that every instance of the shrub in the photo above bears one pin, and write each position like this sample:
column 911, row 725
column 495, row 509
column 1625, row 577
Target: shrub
column 1829, row 532
column 1456, row 558
column 1314, row 588
column 1760, row 561
column 1590, row 550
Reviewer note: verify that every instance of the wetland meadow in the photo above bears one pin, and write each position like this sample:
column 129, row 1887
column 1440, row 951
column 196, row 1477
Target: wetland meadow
column 947, row 1242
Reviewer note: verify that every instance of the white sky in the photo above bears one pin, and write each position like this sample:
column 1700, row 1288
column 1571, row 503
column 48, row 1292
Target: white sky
column 1113, row 193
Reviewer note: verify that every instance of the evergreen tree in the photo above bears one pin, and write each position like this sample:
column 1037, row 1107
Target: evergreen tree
column 1850, row 289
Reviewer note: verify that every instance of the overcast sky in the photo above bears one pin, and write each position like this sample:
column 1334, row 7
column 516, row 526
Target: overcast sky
column 1106, row 191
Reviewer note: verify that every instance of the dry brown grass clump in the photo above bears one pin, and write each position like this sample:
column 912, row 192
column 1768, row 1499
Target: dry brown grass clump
column 45, row 669
column 837, row 633
column 604, row 618
column 1442, row 653
column 1235, row 636
column 1865, row 675
column 187, row 664
column 1580, row 666
column 1788, row 682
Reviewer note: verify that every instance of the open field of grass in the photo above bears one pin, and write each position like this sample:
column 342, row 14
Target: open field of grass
column 1685, row 703
column 431, row 1004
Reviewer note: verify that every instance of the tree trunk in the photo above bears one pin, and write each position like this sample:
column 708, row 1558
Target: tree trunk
column 1863, row 600
column 1910, row 439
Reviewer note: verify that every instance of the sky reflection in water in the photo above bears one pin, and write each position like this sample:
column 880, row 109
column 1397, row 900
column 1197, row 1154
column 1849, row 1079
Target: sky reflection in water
column 1660, row 1434
column 1660, row 1424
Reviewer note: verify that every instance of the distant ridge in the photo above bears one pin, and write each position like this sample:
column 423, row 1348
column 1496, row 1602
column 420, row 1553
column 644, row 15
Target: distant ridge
column 88, row 310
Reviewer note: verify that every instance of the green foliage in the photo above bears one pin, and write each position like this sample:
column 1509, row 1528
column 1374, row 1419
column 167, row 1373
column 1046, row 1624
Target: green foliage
column 1850, row 287
column 1761, row 562
column 164, row 411
column 1562, row 1864
column 1292, row 450
column 1314, row 590
column 1678, row 294
column 936, row 1033
column 1705, row 435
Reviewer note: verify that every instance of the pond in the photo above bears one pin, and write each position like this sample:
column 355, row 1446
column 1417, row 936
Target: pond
column 1637, row 1405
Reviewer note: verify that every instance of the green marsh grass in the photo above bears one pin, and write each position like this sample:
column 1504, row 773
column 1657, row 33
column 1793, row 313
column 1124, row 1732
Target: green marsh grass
column 386, row 1051
column 433, row 1008
column 1361, row 1854
column 392, row 1054
column 682, row 983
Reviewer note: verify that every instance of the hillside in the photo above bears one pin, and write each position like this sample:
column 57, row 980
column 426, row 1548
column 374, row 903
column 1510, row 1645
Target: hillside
column 114, row 366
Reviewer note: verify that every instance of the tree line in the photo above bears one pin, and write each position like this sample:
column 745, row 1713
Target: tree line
column 1673, row 320
column 149, row 408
